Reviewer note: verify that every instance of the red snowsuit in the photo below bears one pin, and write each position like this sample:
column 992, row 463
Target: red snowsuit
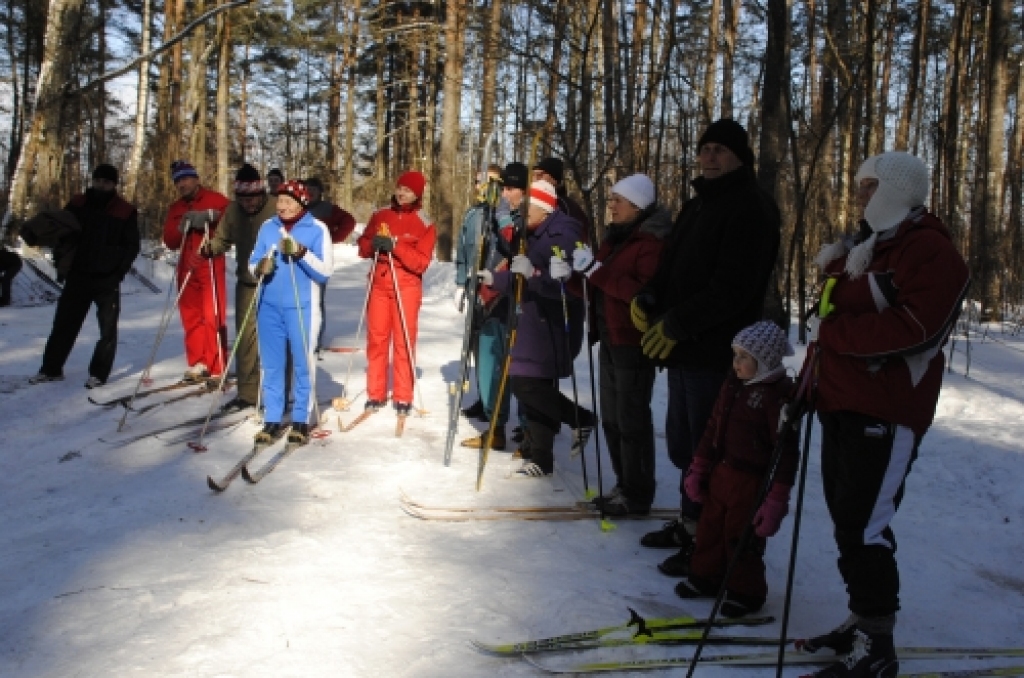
column 204, row 324
column 739, row 440
column 414, row 236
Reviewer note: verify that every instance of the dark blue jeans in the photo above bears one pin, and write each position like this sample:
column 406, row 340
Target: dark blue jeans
column 691, row 398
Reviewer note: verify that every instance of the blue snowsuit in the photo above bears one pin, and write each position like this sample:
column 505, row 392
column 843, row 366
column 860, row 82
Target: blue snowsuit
column 288, row 314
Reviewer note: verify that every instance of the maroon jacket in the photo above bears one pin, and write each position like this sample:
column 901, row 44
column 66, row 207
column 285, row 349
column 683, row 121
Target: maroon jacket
column 881, row 347
column 743, row 428
column 626, row 267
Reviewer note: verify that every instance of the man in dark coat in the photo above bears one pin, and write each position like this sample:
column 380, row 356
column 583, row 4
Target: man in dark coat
column 103, row 255
column 710, row 285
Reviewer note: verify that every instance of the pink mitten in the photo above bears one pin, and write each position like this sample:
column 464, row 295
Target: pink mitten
column 696, row 482
column 775, row 507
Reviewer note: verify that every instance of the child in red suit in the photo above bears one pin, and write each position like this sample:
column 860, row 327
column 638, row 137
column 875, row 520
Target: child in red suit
column 405, row 247
column 728, row 470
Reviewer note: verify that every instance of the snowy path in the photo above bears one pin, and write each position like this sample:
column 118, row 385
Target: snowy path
column 121, row 561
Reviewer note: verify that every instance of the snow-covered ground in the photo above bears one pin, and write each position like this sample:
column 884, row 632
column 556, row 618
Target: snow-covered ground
column 120, row 561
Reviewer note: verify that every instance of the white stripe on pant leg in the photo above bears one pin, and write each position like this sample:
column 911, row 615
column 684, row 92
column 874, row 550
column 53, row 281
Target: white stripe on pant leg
column 315, row 322
column 895, row 473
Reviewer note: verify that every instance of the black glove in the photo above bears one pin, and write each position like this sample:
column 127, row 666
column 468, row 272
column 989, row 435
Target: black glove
column 383, row 243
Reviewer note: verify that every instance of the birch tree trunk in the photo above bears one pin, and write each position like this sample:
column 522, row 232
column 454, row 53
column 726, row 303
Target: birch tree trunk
column 141, row 109
column 41, row 163
column 223, row 123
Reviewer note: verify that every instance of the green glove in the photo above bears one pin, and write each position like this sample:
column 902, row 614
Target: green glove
column 638, row 312
column 266, row 266
column 656, row 344
column 290, row 248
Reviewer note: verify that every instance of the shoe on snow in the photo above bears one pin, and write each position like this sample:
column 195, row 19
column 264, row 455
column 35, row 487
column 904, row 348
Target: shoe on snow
column 678, row 564
column 43, row 377
column 403, row 409
column 94, row 382
column 269, row 434
column 839, row 639
column 619, row 506
column 672, row 535
column 299, row 435
column 532, row 470
column 374, row 405
column 580, row 436
column 873, row 656
column 497, row 442
column 695, row 587
column 474, row 411
column 738, row 605
column 197, row 373
column 236, row 405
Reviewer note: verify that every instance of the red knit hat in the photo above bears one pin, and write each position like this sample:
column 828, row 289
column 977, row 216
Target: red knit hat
column 295, row 189
column 414, row 181
column 543, row 195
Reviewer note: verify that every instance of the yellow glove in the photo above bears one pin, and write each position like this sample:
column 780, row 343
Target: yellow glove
column 638, row 315
column 656, row 344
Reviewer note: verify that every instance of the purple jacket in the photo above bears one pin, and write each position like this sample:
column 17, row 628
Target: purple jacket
column 541, row 349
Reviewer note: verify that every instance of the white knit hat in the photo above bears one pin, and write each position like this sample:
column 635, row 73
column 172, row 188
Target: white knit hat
column 544, row 196
column 767, row 342
column 636, row 188
column 902, row 186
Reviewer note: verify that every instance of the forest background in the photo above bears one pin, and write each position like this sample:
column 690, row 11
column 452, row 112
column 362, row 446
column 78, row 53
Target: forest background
column 356, row 91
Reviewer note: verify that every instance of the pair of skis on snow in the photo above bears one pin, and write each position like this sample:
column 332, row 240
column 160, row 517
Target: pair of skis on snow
column 583, row 510
column 242, row 467
column 688, row 630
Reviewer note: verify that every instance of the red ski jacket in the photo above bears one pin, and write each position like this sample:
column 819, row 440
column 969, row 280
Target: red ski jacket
column 204, row 199
column 414, row 235
column 881, row 347
column 743, row 428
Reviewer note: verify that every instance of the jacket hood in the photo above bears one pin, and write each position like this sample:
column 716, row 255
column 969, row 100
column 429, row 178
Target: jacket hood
column 659, row 223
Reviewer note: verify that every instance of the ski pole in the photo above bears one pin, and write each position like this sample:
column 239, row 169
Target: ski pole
column 797, row 515
column 792, row 414
column 405, row 329
column 216, row 299
column 342, row 403
column 302, row 333
column 572, row 373
column 593, row 393
column 144, row 377
column 198, row 445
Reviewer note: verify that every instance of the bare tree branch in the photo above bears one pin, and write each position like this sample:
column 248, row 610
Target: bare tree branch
column 152, row 54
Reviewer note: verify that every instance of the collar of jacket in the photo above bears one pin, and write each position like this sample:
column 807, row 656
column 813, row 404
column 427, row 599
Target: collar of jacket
column 710, row 188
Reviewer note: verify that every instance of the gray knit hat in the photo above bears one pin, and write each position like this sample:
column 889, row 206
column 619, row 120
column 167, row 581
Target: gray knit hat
column 767, row 342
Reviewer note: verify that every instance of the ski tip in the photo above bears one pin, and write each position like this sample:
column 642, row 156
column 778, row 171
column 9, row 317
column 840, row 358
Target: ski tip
column 245, row 474
column 213, row 484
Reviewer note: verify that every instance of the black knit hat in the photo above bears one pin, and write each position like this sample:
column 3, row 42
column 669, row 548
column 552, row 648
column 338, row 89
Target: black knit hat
column 248, row 181
column 552, row 166
column 275, row 172
column 730, row 134
column 516, row 175
column 105, row 171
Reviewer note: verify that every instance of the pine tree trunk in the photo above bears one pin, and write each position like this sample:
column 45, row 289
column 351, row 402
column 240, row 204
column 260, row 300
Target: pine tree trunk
column 710, row 61
column 732, row 21
column 452, row 99
column 914, row 77
column 490, row 74
column 988, row 256
column 350, row 107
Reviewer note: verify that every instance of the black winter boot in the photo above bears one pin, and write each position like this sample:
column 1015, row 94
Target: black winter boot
column 270, row 433
column 299, row 434
column 873, row 656
column 839, row 639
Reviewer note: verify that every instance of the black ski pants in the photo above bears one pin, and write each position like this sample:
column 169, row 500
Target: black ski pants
column 691, row 399
column 627, row 384
column 546, row 409
column 10, row 264
column 72, row 307
column 864, row 464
